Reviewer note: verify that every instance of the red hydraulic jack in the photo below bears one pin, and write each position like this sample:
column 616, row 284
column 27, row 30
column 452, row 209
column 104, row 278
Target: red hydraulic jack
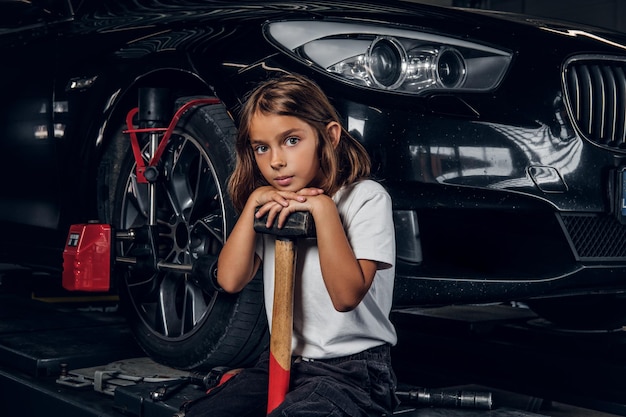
column 87, row 257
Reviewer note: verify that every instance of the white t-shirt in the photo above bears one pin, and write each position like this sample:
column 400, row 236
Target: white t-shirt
column 320, row 331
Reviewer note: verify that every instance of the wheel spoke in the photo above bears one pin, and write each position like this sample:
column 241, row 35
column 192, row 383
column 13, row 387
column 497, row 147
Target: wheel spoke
column 207, row 197
column 183, row 168
column 180, row 306
column 167, row 249
column 142, row 287
column 137, row 200
column 167, row 317
column 194, row 306
column 209, row 227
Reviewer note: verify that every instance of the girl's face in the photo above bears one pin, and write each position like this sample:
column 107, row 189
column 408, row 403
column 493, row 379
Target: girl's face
column 285, row 150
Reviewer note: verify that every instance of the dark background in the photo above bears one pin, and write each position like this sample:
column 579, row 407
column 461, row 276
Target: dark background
column 606, row 13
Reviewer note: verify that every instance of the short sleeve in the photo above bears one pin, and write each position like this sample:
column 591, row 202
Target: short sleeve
column 366, row 212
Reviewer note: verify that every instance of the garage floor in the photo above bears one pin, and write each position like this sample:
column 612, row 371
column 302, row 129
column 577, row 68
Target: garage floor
column 530, row 369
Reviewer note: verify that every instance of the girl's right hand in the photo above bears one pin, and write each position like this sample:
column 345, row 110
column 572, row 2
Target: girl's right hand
column 271, row 201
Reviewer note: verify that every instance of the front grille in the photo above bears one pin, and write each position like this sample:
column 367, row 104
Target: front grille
column 595, row 91
column 595, row 237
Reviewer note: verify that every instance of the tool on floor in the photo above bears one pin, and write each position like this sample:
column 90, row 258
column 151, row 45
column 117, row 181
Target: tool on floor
column 208, row 381
column 446, row 398
column 298, row 225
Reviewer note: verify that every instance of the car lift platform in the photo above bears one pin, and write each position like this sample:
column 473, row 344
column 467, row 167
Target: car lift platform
column 511, row 348
column 83, row 363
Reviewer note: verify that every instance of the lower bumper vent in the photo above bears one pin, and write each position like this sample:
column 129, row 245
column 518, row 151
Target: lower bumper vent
column 595, row 237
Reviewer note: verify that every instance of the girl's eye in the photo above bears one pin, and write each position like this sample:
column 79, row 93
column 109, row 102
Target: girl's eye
column 260, row 149
column 292, row 141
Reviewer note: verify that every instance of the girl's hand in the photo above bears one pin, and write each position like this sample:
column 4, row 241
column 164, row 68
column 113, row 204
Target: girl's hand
column 282, row 203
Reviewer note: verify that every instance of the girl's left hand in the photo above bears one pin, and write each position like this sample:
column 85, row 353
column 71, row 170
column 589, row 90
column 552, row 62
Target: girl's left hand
column 279, row 213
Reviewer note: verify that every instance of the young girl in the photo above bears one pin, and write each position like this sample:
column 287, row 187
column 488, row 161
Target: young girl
column 294, row 155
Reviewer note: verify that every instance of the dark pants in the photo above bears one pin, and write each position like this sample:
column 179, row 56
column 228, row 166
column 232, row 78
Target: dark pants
column 358, row 385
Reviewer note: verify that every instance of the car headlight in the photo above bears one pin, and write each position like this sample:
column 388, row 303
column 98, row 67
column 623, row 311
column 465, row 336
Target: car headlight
column 392, row 59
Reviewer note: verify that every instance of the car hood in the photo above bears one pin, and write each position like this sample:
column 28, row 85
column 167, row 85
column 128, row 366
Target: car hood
column 498, row 28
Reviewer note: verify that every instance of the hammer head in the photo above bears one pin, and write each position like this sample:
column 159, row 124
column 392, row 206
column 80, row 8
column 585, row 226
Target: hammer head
column 299, row 224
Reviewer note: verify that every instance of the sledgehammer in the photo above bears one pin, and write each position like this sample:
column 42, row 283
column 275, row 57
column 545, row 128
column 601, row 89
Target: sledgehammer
column 298, row 224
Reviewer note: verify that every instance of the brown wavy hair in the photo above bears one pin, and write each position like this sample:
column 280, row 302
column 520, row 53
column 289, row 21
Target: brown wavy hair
column 295, row 95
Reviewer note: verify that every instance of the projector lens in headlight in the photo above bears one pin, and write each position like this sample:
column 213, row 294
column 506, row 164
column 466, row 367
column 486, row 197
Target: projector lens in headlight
column 450, row 68
column 386, row 62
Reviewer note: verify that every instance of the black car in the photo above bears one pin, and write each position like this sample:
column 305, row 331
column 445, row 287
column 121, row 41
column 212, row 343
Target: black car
column 501, row 138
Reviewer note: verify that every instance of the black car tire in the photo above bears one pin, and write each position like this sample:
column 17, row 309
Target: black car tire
column 176, row 322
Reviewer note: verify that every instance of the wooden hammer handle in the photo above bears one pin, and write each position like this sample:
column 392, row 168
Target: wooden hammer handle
column 282, row 322
column 298, row 224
